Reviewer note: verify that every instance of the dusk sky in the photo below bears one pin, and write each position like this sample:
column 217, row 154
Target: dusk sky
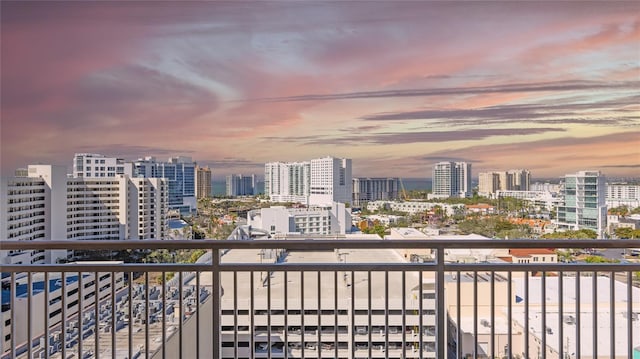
column 396, row 86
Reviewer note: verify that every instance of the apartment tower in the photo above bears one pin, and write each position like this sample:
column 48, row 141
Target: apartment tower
column 584, row 205
column 239, row 185
column 180, row 173
column 451, row 179
column 374, row 189
column 317, row 182
column 203, row 182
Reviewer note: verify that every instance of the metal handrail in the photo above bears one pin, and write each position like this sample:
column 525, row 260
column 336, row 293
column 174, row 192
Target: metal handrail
column 320, row 244
column 218, row 247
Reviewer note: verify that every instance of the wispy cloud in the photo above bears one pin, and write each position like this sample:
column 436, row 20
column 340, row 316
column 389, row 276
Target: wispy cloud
column 389, row 138
column 560, row 86
column 542, row 113
column 237, row 84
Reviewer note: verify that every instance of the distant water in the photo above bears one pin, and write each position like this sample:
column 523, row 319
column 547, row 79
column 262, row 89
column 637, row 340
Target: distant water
column 417, row 184
column 220, row 187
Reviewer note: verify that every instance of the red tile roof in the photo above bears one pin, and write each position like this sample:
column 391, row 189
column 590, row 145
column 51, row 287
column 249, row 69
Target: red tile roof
column 526, row 252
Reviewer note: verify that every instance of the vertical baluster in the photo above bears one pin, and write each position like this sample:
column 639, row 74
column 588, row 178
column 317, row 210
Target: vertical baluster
column 578, row 319
column 560, row 315
column 113, row 314
column 526, row 313
column 543, row 294
column 46, row 316
column 594, row 297
column 164, row 311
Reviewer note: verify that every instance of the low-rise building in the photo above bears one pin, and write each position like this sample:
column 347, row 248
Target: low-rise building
column 415, row 207
column 315, row 220
column 622, row 194
column 69, row 297
column 531, row 256
column 357, row 317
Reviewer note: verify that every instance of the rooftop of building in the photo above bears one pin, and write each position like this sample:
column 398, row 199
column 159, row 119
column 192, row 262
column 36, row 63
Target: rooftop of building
column 406, row 233
column 314, row 292
column 528, row 252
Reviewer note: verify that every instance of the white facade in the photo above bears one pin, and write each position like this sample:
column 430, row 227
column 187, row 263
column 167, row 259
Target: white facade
column 317, row 182
column 623, row 195
column 147, row 209
column 331, row 181
column 287, row 182
column 413, row 207
column 23, row 216
column 603, row 305
column 451, row 179
column 49, row 205
column 316, row 220
column 538, row 199
column 93, row 165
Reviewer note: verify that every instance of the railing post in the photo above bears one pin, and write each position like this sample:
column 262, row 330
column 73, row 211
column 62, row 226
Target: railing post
column 216, row 297
column 441, row 312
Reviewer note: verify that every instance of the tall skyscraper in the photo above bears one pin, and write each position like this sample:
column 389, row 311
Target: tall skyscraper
column 316, row 182
column 451, row 179
column 180, row 173
column 239, row 185
column 331, row 181
column 584, row 205
column 46, row 204
column 488, row 183
column 374, row 189
column 513, row 180
column 519, row 180
column 287, row 181
column 93, row 165
column 203, row 182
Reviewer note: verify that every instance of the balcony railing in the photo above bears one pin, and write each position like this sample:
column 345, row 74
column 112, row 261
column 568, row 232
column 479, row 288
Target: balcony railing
column 322, row 299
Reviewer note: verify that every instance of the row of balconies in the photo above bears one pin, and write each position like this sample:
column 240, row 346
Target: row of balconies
column 25, row 215
column 26, row 231
column 25, row 208
column 26, row 198
column 22, row 183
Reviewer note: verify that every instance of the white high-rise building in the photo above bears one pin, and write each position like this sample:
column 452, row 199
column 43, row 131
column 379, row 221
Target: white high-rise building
column 451, row 179
column 287, row 181
column 239, row 185
column 622, row 194
column 317, row 182
column 93, row 165
column 46, row 204
column 330, row 181
column 584, row 205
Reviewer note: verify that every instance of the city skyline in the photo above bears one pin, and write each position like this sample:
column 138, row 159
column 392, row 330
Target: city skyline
column 397, row 87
